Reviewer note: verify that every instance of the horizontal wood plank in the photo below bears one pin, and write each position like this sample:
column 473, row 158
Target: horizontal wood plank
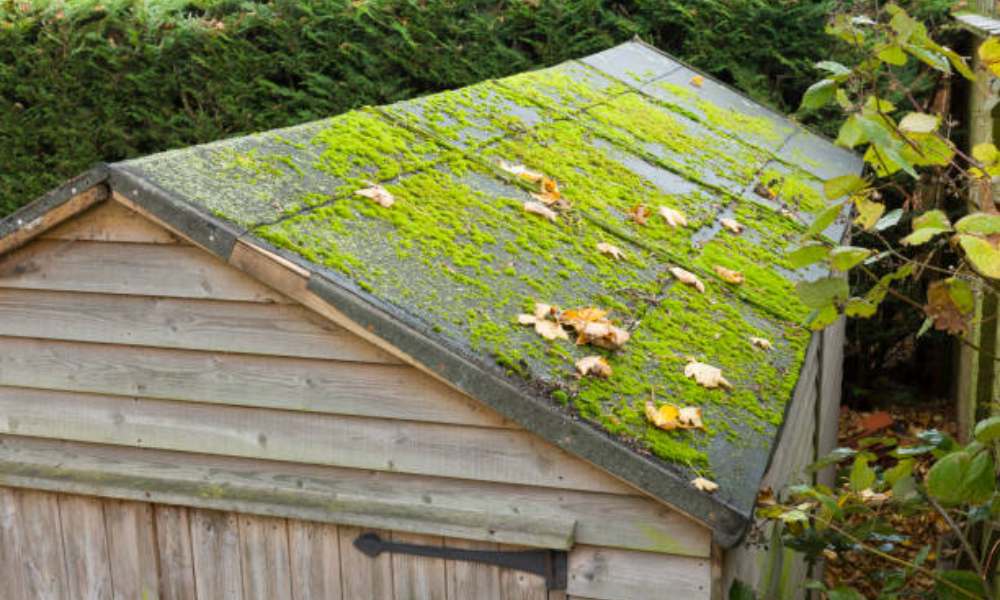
column 393, row 391
column 243, row 327
column 500, row 455
column 133, row 269
column 284, row 489
column 613, row 574
column 112, row 222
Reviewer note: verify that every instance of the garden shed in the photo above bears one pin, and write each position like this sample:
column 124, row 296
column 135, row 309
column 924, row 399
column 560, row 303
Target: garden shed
column 311, row 363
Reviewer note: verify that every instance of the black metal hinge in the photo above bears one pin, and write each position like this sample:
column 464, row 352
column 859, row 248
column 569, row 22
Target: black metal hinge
column 550, row 564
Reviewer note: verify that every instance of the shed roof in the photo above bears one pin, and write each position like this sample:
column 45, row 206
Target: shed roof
column 444, row 272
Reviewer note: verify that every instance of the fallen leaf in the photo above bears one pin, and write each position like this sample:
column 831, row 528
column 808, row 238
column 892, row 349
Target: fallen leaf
column 537, row 208
column 697, row 81
column 664, row 417
column 594, row 365
column 728, row 275
column 704, row 485
column 610, row 250
column 706, row 375
column 614, row 339
column 759, row 342
column 379, row 194
column 521, row 171
column 732, row 225
column 689, row 417
column 593, row 327
column 675, row 218
column 688, row 278
column 639, row 213
column 577, row 318
column 550, row 330
column 524, row 319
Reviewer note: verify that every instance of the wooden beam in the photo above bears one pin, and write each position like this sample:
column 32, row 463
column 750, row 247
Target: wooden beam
column 53, row 217
column 449, row 507
column 208, row 378
column 611, row 574
column 209, row 325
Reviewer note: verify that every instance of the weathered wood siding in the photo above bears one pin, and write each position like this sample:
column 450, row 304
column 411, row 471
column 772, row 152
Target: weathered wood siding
column 138, row 367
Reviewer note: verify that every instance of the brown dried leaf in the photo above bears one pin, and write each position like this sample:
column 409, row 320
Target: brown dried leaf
column 639, row 213
column 674, row 217
column 943, row 311
column 728, row 275
column 594, row 365
column 761, row 343
column 545, row 310
column 688, row 278
column 524, row 319
column 689, row 417
column 577, row 318
column 732, row 225
column 706, row 375
column 610, row 250
column 550, row 330
column 379, row 194
column 614, row 339
column 704, row 485
column 537, row 208
column 593, row 327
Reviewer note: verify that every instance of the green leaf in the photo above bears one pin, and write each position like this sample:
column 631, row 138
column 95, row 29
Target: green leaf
column 741, row 591
column 980, row 480
column 903, row 468
column 931, row 150
column 958, row 63
column 983, row 256
column 843, row 592
column 862, row 476
column 889, row 219
column 823, row 292
column 926, row 226
column 844, row 185
column 944, row 480
column 835, row 456
column 918, row 122
column 869, row 212
column 989, row 54
column 838, row 71
column 961, row 294
column 821, row 317
column 985, row 153
column 930, row 58
column 979, row 223
column 825, row 218
column 842, row 258
column 893, row 55
column 819, row 94
column 888, row 147
column 861, row 308
column 851, row 134
column 988, row 430
column 967, row 581
column 807, row 254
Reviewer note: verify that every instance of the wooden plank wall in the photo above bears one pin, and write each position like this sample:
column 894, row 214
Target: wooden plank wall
column 119, row 337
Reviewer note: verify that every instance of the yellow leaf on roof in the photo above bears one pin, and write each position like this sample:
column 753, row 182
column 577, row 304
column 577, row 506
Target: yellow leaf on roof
column 544, row 320
column 610, row 250
column 697, row 81
column 639, row 213
column 674, row 217
column 704, row 485
column 594, row 365
column 379, row 194
column 664, row 417
column 689, row 417
column 706, row 375
column 762, row 343
column 688, row 278
column 550, row 330
column 537, row 208
column 728, row 275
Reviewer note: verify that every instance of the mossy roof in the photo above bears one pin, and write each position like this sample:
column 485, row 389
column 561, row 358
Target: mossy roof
column 456, row 258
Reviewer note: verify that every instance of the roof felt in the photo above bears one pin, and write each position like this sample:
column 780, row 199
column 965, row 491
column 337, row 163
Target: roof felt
column 458, row 258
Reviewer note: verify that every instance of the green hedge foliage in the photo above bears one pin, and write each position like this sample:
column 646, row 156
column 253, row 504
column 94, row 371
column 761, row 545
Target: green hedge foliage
column 84, row 81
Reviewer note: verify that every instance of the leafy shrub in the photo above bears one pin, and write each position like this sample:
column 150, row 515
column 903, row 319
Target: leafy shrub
column 86, row 81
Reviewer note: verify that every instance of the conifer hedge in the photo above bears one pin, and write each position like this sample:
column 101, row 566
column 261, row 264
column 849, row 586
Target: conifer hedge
column 85, row 81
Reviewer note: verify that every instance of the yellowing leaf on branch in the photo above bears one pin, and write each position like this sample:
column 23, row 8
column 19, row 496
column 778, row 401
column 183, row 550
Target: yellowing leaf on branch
column 989, row 53
column 688, row 278
column 674, row 217
column 728, row 275
column 639, row 213
column 732, row 225
column 610, row 250
column 704, row 485
column 379, row 194
column 594, row 365
column 761, row 343
column 706, row 375
column 521, row 171
column 537, row 208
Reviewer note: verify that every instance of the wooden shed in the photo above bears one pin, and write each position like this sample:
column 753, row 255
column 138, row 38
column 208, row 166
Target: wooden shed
column 226, row 374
